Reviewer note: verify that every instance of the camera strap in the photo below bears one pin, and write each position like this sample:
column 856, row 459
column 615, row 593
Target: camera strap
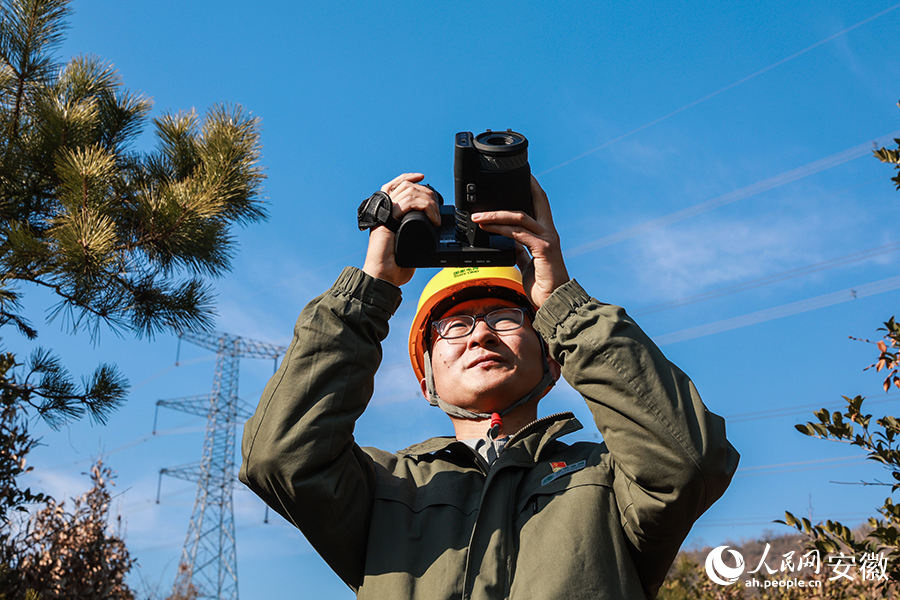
column 376, row 210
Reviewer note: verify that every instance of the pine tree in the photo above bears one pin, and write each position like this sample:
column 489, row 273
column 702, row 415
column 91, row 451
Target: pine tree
column 124, row 239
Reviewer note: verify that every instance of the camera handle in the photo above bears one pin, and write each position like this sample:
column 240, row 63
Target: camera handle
column 416, row 233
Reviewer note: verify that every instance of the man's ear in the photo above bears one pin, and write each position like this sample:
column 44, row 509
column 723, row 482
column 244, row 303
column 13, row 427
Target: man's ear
column 424, row 387
column 555, row 369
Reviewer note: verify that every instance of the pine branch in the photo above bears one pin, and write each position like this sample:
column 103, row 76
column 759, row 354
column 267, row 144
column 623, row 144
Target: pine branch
column 21, row 324
column 59, row 401
column 34, row 27
column 9, row 300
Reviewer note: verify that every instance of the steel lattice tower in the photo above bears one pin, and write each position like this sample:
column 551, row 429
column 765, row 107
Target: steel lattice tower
column 208, row 560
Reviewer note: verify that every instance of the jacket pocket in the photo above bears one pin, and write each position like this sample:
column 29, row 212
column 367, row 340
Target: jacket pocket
column 417, row 531
column 543, row 484
column 433, row 494
column 568, row 535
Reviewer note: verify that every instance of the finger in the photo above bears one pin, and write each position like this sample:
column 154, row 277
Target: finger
column 540, row 202
column 520, row 235
column 523, row 258
column 390, row 186
column 417, row 202
column 409, row 196
column 542, row 243
column 506, row 220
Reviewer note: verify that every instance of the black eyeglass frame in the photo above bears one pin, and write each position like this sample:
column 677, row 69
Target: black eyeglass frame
column 483, row 317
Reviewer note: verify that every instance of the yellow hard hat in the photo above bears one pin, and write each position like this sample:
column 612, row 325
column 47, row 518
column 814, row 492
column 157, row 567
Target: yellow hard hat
column 452, row 286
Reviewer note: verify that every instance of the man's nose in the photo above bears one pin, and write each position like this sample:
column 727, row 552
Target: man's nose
column 482, row 334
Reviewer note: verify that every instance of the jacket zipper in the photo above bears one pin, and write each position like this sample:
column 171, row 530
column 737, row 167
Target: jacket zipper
column 527, row 429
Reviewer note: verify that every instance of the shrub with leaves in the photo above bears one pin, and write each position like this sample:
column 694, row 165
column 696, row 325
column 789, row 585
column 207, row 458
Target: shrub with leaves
column 73, row 553
column 891, row 156
column 880, row 442
column 879, row 439
column 184, row 586
column 15, row 444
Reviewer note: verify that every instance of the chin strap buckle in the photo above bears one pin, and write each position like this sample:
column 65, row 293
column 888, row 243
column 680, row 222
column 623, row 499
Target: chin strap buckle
column 496, row 424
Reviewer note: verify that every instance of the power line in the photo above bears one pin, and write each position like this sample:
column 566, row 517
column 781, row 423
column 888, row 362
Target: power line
column 757, row 520
column 805, row 465
column 722, row 90
column 785, row 310
column 731, row 197
column 761, row 281
column 797, row 409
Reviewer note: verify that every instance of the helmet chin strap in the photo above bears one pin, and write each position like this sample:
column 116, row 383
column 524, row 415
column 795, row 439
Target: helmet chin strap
column 455, row 411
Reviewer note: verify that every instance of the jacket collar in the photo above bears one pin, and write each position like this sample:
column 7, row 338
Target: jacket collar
column 524, row 446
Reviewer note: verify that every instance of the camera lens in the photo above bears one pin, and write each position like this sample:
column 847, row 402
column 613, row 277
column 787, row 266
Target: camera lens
column 501, row 142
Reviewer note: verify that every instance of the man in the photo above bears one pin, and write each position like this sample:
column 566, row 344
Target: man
column 503, row 509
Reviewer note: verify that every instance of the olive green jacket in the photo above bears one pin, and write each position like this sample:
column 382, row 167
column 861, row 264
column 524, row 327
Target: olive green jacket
column 547, row 520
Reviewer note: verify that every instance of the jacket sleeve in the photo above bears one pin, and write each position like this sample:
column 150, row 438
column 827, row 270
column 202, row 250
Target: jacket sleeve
column 298, row 450
column 670, row 457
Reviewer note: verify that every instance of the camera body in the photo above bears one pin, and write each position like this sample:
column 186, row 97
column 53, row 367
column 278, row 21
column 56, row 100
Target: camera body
column 490, row 172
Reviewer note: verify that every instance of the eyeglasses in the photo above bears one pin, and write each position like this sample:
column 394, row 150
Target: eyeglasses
column 460, row 326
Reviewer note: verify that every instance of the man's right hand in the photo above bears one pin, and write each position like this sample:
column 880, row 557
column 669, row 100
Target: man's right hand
column 406, row 195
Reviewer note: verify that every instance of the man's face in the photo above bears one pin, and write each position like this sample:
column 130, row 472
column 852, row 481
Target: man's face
column 486, row 371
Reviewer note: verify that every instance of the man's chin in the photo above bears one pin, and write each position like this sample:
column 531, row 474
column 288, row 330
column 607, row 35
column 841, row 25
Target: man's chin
column 488, row 401
column 488, row 392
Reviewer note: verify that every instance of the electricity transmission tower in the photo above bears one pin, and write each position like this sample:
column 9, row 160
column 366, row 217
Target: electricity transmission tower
column 208, row 559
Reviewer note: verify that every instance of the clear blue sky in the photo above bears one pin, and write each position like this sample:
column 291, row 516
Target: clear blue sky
column 717, row 153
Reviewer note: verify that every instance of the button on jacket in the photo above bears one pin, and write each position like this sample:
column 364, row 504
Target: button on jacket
column 546, row 520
